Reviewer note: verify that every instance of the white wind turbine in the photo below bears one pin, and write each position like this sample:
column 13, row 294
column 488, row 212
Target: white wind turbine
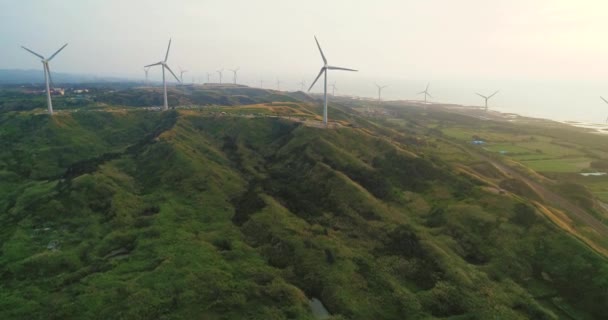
column 146, row 70
column 302, row 85
column 234, row 74
column 333, row 89
column 426, row 92
column 380, row 91
column 278, row 85
column 486, row 98
column 324, row 72
column 164, row 66
column 220, row 73
column 47, row 74
column 181, row 74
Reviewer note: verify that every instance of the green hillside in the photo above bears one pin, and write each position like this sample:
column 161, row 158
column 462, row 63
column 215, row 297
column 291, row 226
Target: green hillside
column 187, row 214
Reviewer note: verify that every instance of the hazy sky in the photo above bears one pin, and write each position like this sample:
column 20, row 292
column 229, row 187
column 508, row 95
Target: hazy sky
column 548, row 57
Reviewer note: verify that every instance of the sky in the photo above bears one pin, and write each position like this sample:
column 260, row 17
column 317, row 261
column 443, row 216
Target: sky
column 548, row 58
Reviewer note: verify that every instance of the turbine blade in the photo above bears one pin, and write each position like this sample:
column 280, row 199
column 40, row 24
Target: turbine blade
column 32, row 52
column 321, row 50
column 481, row 95
column 493, row 94
column 154, row 64
column 421, row 92
column 427, row 86
column 54, row 54
column 176, row 78
column 317, row 78
column 340, row 68
column 428, row 94
column 604, row 99
column 48, row 70
column 168, row 47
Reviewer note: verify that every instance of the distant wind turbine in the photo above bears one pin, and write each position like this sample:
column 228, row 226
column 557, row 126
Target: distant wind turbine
column 606, row 102
column 380, row 91
column 278, row 85
column 302, row 85
column 209, row 74
column 323, row 71
column 426, row 92
column 486, row 98
column 262, row 84
column 220, row 73
column 146, row 70
column 234, row 72
column 47, row 74
column 333, row 89
column 181, row 74
column 164, row 66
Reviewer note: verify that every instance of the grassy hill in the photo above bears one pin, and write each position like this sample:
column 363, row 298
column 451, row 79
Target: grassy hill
column 194, row 214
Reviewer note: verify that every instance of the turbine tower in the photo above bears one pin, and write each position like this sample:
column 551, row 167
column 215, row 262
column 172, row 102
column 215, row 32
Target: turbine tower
column 234, row 72
column 323, row 71
column 47, row 74
column 220, row 73
column 380, row 91
column 278, row 85
column 164, row 66
column 486, row 98
column 209, row 74
column 426, row 92
column 333, row 89
column 146, row 70
column 302, row 85
column 606, row 102
column 181, row 74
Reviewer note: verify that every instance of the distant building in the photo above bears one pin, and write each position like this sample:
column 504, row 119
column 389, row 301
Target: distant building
column 478, row 142
column 593, row 174
column 58, row 91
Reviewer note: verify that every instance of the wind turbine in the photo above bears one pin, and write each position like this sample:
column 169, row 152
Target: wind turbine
column 234, row 72
column 606, row 102
column 302, row 85
column 278, row 85
column 146, row 70
column 164, row 66
column 181, row 74
column 323, row 71
column 486, row 98
column 426, row 92
column 380, row 91
column 47, row 74
column 209, row 74
column 333, row 89
column 220, row 73
column 262, row 84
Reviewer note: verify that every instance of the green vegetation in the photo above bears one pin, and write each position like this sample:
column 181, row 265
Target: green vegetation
column 188, row 215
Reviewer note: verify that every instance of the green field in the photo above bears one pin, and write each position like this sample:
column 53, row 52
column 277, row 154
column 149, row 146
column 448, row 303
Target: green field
column 558, row 165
